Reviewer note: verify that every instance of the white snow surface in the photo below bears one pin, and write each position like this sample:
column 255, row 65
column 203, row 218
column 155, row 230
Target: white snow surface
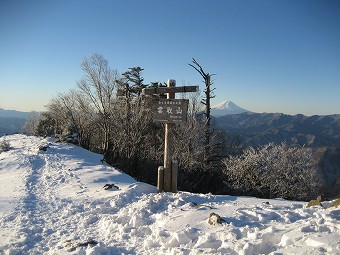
column 226, row 108
column 52, row 202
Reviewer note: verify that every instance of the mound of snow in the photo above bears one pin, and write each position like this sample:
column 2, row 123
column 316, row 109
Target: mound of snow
column 52, row 202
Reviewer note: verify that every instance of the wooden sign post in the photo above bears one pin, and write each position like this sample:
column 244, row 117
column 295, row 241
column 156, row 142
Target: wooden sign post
column 170, row 111
column 168, row 146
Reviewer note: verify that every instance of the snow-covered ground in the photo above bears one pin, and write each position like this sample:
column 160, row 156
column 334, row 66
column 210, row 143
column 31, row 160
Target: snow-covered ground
column 52, row 202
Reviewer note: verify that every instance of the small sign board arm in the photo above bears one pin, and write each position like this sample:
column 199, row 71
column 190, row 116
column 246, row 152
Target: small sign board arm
column 162, row 90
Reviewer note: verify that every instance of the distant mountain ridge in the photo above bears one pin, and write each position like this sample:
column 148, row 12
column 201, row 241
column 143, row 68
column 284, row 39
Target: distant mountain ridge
column 12, row 121
column 13, row 114
column 255, row 128
column 262, row 128
column 226, row 108
column 9, row 125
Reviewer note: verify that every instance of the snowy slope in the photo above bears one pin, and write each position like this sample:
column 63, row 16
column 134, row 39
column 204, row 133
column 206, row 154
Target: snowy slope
column 226, row 108
column 53, row 203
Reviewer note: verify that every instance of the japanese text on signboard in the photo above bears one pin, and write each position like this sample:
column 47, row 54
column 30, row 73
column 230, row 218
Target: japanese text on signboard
column 170, row 110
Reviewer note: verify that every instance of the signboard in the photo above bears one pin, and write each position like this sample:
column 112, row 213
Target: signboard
column 170, row 110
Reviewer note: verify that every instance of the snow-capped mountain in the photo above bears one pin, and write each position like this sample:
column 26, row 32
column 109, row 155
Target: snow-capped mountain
column 226, row 108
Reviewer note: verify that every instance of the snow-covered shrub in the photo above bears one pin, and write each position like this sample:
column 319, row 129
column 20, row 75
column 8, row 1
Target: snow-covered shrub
column 4, row 146
column 274, row 171
column 32, row 123
column 46, row 126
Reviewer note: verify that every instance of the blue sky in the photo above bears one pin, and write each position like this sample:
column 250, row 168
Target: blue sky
column 268, row 55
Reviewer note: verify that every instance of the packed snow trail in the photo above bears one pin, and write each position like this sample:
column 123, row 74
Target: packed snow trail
column 53, row 194
column 52, row 202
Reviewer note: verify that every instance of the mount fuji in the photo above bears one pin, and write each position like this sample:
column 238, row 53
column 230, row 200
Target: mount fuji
column 226, row 108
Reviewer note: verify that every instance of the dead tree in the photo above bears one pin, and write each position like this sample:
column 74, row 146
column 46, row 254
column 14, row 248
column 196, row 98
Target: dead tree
column 206, row 101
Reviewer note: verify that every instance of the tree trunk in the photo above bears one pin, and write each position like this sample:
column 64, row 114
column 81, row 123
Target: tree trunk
column 207, row 146
column 206, row 102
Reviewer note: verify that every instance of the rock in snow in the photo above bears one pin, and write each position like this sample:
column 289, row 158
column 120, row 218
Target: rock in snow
column 52, row 202
column 214, row 219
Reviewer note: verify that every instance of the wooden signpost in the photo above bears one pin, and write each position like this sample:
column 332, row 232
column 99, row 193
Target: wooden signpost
column 170, row 111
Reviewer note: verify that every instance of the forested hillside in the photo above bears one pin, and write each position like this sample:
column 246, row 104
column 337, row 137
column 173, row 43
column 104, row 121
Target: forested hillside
column 261, row 128
column 10, row 125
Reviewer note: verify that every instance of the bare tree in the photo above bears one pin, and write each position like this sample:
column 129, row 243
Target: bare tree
column 57, row 113
column 77, row 113
column 188, row 137
column 98, row 85
column 206, row 101
column 31, row 123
